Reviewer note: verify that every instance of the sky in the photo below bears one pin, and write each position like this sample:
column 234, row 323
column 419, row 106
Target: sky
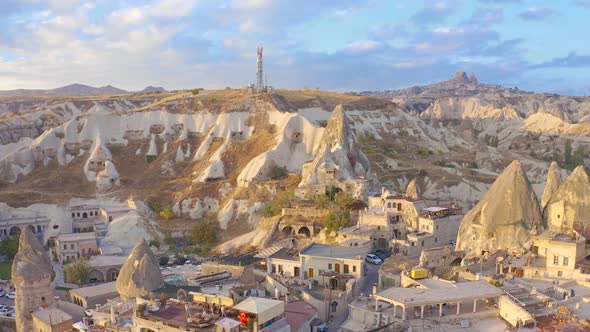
column 341, row 45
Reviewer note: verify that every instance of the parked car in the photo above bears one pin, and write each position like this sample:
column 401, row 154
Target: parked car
column 373, row 259
column 380, row 255
column 2, row 306
column 2, row 292
column 386, row 253
column 6, row 311
column 180, row 261
column 11, row 295
column 163, row 259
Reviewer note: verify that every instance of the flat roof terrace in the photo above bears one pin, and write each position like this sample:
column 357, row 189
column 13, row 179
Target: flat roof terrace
column 464, row 291
column 327, row 251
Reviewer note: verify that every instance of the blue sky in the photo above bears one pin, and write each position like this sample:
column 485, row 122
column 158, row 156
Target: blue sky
column 343, row 45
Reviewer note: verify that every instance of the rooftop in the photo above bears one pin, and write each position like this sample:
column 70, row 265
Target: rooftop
column 298, row 312
column 460, row 292
column 98, row 290
column 53, row 315
column 561, row 237
column 401, row 197
column 76, row 237
column 322, row 250
column 258, row 305
column 286, row 253
column 106, row 260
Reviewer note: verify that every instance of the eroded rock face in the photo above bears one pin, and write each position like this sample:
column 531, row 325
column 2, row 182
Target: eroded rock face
column 31, row 274
column 504, row 218
column 140, row 274
column 553, row 182
column 412, row 189
column 31, row 263
column 569, row 206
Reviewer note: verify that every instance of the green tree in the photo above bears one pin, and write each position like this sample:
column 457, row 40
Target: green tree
column 205, row 234
column 78, row 272
column 567, row 155
column 578, row 157
column 154, row 243
column 9, row 247
column 280, row 200
column 167, row 213
column 278, row 172
column 335, row 220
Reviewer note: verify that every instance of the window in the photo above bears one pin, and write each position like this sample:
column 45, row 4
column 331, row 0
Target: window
column 399, row 206
column 65, row 246
column 565, row 261
column 354, row 268
column 435, row 240
column 559, row 273
column 436, row 227
column 274, row 268
column 329, row 266
column 72, row 246
column 345, row 268
column 545, row 251
column 555, row 260
column 423, row 243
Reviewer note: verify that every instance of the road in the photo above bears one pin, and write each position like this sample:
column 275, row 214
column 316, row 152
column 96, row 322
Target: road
column 371, row 278
column 366, row 288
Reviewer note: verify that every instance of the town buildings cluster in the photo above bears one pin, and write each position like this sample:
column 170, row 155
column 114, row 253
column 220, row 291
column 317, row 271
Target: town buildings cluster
column 395, row 268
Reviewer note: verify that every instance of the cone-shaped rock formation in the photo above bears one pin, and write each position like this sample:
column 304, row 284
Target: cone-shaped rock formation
column 505, row 216
column 569, row 206
column 553, row 182
column 412, row 190
column 140, row 274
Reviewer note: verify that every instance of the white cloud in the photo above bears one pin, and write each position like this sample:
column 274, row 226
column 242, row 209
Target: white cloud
column 129, row 16
column 363, row 45
column 172, row 8
column 93, row 29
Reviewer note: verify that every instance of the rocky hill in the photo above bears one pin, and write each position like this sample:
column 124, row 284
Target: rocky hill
column 68, row 90
column 225, row 155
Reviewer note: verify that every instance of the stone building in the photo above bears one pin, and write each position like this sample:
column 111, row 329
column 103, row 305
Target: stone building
column 75, row 245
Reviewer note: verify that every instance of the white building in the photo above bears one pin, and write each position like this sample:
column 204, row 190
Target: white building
column 437, row 226
column 318, row 259
column 75, row 245
column 557, row 255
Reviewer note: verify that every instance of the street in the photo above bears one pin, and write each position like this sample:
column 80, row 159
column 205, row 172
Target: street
column 366, row 289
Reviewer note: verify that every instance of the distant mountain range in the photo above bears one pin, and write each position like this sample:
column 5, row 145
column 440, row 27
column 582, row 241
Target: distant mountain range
column 75, row 90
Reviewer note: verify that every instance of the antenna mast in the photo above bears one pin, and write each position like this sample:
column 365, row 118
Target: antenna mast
column 260, row 71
